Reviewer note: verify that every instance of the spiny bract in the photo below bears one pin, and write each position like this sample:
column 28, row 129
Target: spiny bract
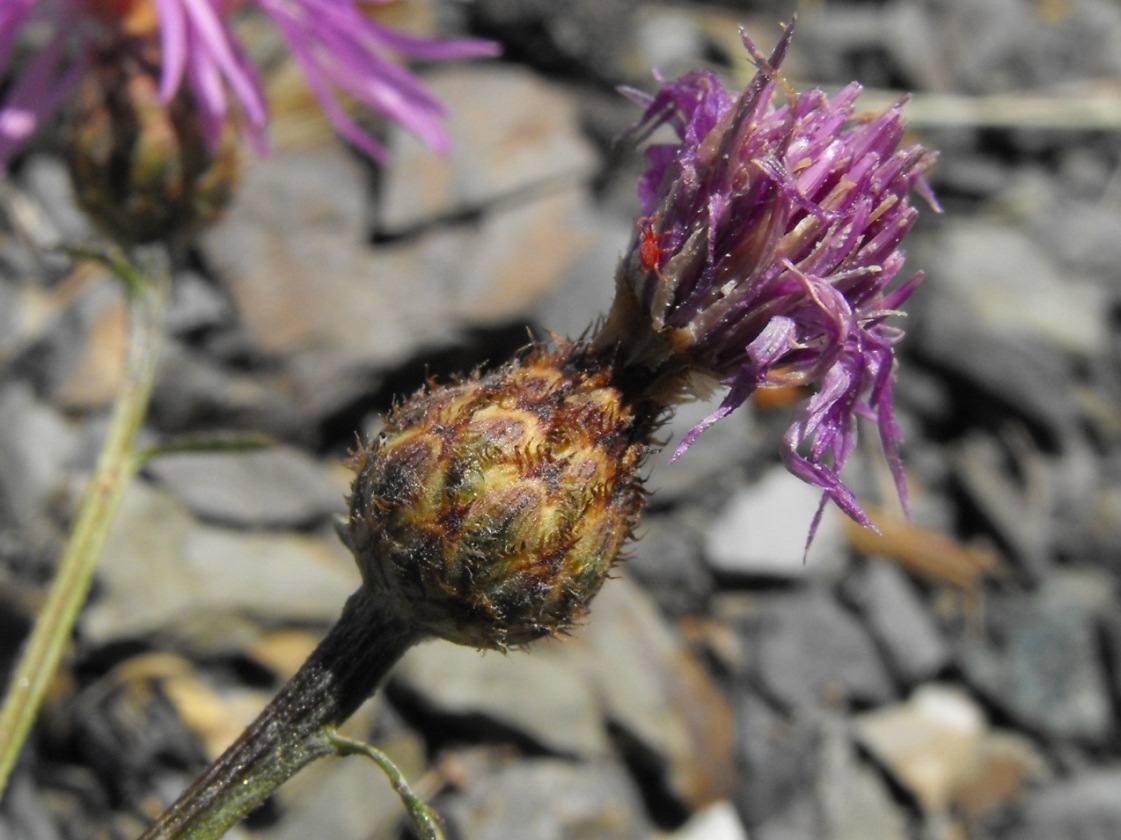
column 491, row 510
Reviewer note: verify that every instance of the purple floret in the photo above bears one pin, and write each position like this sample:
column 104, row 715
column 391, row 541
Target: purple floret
column 778, row 228
column 339, row 48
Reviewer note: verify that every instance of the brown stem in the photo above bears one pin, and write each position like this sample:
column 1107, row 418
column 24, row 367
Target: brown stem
column 293, row 729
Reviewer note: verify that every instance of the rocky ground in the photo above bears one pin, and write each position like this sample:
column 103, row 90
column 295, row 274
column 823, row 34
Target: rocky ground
column 956, row 677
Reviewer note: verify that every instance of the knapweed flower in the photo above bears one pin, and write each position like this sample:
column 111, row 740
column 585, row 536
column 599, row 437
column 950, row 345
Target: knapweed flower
column 340, row 48
column 770, row 236
column 490, row 509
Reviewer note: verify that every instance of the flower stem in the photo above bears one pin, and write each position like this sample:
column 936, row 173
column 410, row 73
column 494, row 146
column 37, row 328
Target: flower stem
column 148, row 284
column 298, row 726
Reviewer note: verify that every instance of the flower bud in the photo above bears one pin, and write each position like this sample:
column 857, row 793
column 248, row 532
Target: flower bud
column 141, row 167
column 491, row 510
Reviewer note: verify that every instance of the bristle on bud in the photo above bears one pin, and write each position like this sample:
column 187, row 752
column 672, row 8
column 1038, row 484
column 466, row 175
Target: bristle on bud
column 491, row 510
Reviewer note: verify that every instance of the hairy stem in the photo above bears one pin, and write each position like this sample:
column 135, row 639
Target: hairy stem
column 148, row 282
column 298, row 726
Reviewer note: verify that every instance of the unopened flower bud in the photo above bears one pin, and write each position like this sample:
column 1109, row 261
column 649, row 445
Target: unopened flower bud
column 141, row 167
column 491, row 510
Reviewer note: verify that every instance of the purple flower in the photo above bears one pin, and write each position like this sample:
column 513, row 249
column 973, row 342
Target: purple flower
column 340, row 49
column 770, row 237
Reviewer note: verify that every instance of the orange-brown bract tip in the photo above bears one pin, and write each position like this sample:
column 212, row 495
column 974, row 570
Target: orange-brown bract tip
column 489, row 511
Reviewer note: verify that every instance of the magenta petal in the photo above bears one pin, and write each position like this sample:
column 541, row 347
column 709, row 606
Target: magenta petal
column 173, row 46
column 780, row 216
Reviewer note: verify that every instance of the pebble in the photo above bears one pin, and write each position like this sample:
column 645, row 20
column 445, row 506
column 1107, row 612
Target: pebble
column 676, row 724
column 533, row 144
column 34, row 450
column 1019, row 508
column 275, row 487
column 777, row 755
column 847, row 799
column 350, row 798
column 541, row 700
column 1026, row 293
column 312, row 292
column 763, row 531
column 899, row 619
column 718, row 821
column 808, row 650
column 1086, row 808
column 1040, row 660
column 162, row 572
column 331, row 277
column 926, row 743
column 549, row 799
column 45, row 177
column 196, row 306
column 666, row 560
column 997, row 376
column 582, row 37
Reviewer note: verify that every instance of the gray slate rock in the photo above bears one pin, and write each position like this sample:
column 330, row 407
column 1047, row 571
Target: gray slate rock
column 34, row 450
column 164, row 573
column 808, row 650
column 1083, row 808
column 547, row 799
column 1040, row 660
column 848, row 800
column 541, row 699
column 533, row 142
column 777, row 755
column 276, row 487
column 994, row 374
column 763, row 529
column 900, row 622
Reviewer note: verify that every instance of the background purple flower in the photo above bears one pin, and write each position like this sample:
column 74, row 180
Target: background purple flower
column 340, row 49
column 770, row 239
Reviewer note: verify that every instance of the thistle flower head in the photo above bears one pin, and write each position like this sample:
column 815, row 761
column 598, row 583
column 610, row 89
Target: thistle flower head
column 770, row 236
column 340, row 49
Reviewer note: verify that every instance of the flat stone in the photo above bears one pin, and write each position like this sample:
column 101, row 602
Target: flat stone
column 533, row 141
column 763, row 529
column 195, row 305
column 901, row 623
column 709, row 469
column 778, row 757
column 847, row 800
column 162, row 572
column 1012, row 374
column 46, row 178
column 96, row 378
column 547, row 799
column 653, row 689
column 718, row 821
column 1040, row 661
column 855, row 802
column 274, row 487
column 809, row 650
column 351, row 798
column 1018, row 505
column 542, row 699
column 926, row 743
column 665, row 558
column 1085, row 807
column 35, row 447
column 311, row 290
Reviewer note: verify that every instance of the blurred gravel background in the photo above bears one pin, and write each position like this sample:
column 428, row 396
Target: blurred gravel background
column 958, row 677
